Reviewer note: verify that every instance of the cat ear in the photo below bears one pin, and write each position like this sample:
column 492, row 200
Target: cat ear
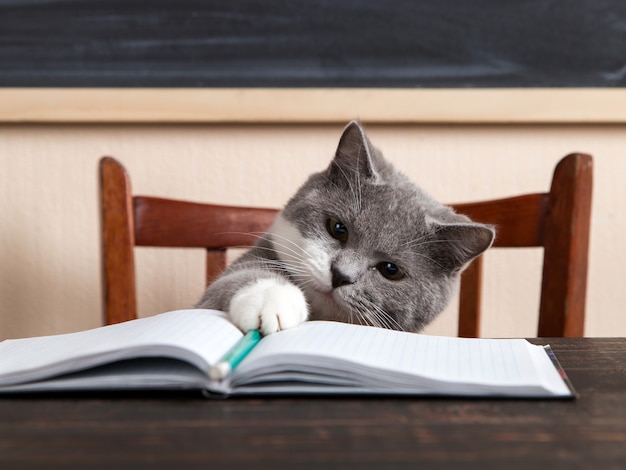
column 355, row 154
column 458, row 244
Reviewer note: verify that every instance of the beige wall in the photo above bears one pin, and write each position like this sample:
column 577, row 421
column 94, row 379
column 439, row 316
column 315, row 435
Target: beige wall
column 49, row 238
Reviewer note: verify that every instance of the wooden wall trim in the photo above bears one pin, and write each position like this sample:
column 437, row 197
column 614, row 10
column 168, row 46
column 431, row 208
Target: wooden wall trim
column 312, row 105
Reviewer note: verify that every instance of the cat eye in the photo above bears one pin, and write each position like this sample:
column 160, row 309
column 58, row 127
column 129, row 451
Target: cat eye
column 337, row 230
column 390, row 270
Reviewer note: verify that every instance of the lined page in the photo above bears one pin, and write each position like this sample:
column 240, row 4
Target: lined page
column 199, row 336
column 391, row 353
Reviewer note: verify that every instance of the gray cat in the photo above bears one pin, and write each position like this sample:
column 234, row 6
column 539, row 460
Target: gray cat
column 358, row 243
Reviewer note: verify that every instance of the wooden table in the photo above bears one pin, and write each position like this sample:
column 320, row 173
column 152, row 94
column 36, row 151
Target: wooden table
column 178, row 431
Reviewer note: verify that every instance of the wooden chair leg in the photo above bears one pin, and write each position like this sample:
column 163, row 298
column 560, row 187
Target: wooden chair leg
column 215, row 264
column 470, row 300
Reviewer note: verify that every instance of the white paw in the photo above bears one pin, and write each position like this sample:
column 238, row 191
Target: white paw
column 269, row 306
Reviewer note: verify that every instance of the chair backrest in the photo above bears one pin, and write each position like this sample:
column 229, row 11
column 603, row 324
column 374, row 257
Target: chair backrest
column 558, row 221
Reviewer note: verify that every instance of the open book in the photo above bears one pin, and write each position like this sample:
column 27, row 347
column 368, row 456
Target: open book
column 174, row 350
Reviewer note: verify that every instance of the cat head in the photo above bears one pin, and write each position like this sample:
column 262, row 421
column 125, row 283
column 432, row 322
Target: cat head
column 366, row 245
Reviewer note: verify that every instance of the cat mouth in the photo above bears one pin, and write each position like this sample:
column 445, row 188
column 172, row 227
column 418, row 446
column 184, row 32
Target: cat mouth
column 327, row 292
column 329, row 295
column 316, row 287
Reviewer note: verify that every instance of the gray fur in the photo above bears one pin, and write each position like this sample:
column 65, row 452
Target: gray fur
column 389, row 219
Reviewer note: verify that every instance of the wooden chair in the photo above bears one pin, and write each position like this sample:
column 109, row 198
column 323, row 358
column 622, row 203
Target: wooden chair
column 557, row 220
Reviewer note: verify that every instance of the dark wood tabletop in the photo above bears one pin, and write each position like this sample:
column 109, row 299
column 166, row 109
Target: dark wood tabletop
column 329, row 432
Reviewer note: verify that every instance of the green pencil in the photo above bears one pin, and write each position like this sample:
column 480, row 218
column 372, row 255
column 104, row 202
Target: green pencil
column 232, row 358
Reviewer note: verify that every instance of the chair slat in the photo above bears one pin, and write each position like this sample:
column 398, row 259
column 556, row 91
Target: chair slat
column 518, row 220
column 172, row 223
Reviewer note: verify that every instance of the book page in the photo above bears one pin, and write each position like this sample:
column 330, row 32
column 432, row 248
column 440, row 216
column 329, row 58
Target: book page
column 376, row 357
column 156, row 373
column 200, row 337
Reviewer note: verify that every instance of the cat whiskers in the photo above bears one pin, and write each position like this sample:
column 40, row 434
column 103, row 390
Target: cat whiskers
column 416, row 243
column 374, row 314
column 410, row 245
column 423, row 240
column 292, row 260
column 384, row 318
column 296, row 265
column 272, row 240
column 291, row 267
column 261, row 236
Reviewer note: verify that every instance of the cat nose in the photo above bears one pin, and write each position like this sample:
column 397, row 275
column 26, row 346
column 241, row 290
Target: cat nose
column 340, row 278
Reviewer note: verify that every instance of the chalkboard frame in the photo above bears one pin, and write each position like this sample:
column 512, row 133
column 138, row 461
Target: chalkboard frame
column 298, row 106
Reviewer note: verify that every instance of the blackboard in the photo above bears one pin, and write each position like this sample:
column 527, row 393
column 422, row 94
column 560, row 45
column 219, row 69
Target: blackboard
column 313, row 43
